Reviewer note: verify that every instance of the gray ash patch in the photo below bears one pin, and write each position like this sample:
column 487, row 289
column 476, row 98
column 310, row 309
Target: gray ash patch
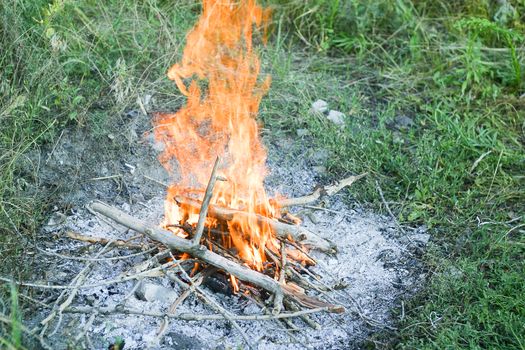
column 374, row 267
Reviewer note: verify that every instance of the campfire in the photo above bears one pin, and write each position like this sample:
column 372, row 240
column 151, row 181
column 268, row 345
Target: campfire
column 212, row 248
column 218, row 215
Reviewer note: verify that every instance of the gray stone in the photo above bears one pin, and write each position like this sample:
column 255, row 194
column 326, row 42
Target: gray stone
column 303, row 132
column 321, row 170
column 154, row 292
column 421, row 237
column 404, row 122
column 336, row 117
column 55, row 222
column 319, row 106
column 320, row 156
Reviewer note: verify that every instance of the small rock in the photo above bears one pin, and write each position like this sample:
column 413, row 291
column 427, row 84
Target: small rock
column 320, row 156
column 321, row 170
column 404, row 122
column 56, row 219
column 251, row 309
column 319, row 106
column 181, row 341
column 126, row 207
column 421, row 237
column 133, row 113
column 154, row 292
column 147, row 100
column 336, row 117
column 453, row 272
column 303, row 132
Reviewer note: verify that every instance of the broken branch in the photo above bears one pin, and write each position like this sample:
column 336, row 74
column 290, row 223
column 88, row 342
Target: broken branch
column 321, row 192
column 206, row 202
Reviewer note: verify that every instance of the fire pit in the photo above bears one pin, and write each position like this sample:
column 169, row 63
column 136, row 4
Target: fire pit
column 225, row 264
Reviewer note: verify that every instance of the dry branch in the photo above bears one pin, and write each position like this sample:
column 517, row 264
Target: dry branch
column 182, row 245
column 281, row 229
column 103, row 241
column 206, row 202
column 321, row 192
column 187, row 316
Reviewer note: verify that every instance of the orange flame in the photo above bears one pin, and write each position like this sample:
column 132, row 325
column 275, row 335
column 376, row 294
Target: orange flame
column 219, row 74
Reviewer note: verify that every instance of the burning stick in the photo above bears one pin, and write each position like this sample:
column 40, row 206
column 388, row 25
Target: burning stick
column 243, row 273
column 321, row 192
column 281, row 229
column 205, row 203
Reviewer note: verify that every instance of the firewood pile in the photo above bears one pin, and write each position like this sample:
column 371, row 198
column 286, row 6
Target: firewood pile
column 286, row 289
column 283, row 288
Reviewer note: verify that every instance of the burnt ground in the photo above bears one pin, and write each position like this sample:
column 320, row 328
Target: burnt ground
column 377, row 263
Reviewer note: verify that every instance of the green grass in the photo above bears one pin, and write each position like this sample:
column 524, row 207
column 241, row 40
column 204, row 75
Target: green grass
column 459, row 169
column 454, row 68
column 63, row 63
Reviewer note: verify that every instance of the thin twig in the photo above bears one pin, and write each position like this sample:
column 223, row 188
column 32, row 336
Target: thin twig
column 320, row 192
column 100, row 284
column 97, row 240
column 62, row 256
column 206, row 203
column 388, row 208
column 188, row 316
column 283, row 263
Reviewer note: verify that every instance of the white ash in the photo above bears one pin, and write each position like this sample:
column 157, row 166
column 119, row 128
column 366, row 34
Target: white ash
column 374, row 262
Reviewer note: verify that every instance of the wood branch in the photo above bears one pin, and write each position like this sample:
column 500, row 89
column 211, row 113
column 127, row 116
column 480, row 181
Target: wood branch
column 103, row 241
column 320, row 192
column 182, row 245
column 206, row 202
column 185, row 316
column 281, row 229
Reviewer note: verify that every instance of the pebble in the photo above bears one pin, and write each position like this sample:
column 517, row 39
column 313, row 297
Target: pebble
column 404, row 122
column 154, row 292
column 336, row 117
column 421, row 237
column 319, row 106
column 320, row 170
column 303, row 132
column 320, row 156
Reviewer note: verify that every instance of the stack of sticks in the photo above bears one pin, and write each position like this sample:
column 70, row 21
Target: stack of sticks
column 288, row 234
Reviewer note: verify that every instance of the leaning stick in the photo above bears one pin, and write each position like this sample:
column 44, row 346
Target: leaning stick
column 186, row 246
column 321, row 192
column 205, row 203
column 281, row 229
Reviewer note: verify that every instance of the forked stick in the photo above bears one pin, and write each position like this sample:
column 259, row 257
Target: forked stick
column 320, row 192
column 243, row 273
